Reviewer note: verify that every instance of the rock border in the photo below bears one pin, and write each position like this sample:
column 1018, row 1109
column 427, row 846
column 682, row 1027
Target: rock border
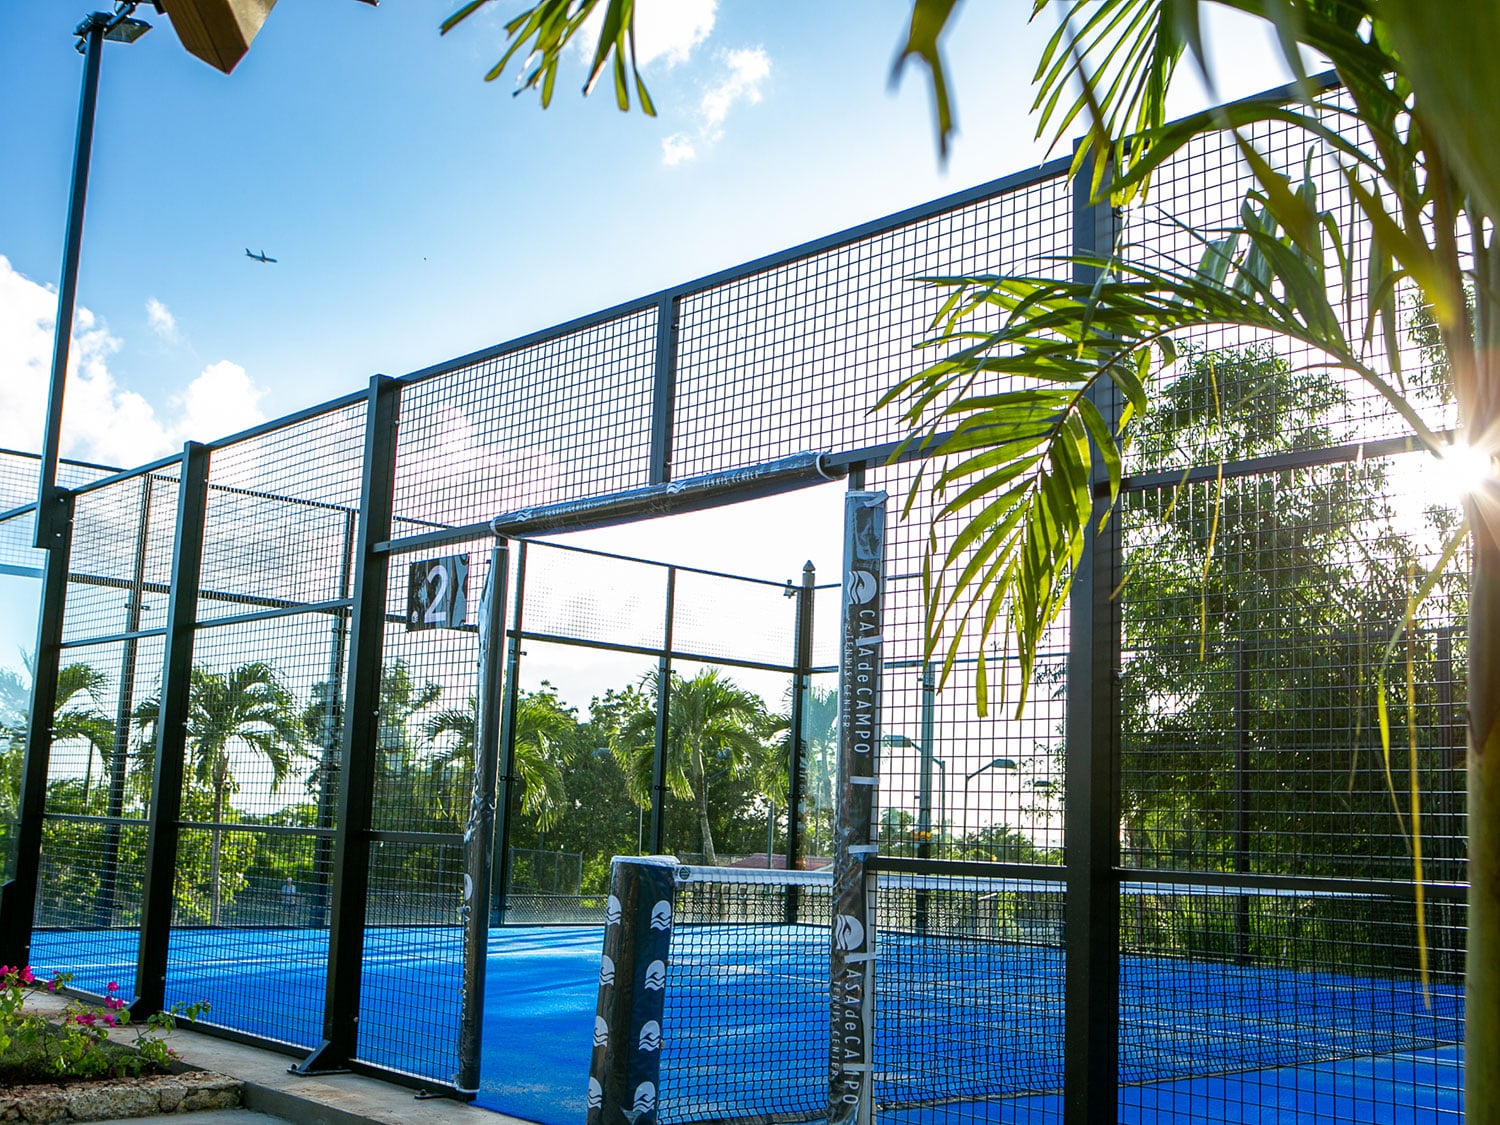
column 111, row 1098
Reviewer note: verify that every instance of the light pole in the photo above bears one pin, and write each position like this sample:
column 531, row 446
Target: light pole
column 924, row 788
column 992, row 764
column 119, row 27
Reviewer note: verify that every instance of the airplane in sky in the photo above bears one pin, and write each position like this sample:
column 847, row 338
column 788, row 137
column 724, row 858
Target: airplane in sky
column 261, row 257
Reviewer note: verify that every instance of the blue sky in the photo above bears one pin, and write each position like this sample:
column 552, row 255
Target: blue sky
column 418, row 212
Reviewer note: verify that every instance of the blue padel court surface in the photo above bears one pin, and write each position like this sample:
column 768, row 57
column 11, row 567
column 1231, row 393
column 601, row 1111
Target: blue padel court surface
column 970, row 1031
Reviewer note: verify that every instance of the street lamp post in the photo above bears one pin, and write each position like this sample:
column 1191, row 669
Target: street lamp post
column 992, row 764
column 119, row 27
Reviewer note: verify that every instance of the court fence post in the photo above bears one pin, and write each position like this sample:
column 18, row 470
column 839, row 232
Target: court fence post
column 173, row 705
column 359, row 738
column 796, row 801
column 506, row 741
column 664, row 390
column 663, row 722
column 119, row 753
column 480, row 830
column 1091, row 830
column 18, row 894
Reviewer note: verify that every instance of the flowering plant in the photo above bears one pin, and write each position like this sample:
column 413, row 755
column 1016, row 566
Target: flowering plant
column 78, row 1044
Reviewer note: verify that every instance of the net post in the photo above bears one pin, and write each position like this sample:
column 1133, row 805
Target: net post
column 171, row 735
column 18, row 894
column 479, row 831
column 625, row 1070
column 852, row 948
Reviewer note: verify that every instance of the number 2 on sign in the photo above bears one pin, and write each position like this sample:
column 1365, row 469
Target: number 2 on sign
column 437, row 601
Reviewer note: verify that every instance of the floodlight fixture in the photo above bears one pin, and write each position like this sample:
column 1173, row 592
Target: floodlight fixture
column 126, row 29
column 992, row 764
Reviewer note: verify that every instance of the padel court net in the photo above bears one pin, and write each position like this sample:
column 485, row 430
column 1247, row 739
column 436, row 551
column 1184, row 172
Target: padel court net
column 969, row 1005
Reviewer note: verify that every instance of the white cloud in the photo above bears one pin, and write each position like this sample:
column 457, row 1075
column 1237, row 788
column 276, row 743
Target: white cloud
column 677, row 148
column 102, row 421
column 161, row 320
column 221, row 400
column 669, row 30
column 748, row 68
column 745, row 72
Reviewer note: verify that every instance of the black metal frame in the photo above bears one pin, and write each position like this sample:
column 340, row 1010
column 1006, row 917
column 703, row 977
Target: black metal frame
column 1091, row 828
column 171, row 735
column 18, row 894
column 506, row 741
column 352, row 838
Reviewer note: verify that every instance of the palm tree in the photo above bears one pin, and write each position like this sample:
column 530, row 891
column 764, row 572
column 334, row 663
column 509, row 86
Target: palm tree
column 541, row 724
column 714, row 728
column 244, row 710
column 75, row 716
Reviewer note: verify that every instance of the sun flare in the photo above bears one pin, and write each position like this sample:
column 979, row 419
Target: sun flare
column 1467, row 469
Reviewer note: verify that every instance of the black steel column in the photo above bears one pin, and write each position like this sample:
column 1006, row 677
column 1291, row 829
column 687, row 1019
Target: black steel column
column 506, row 743
column 329, row 736
column 480, row 830
column 796, row 798
column 664, row 391
column 360, row 736
column 1448, row 835
column 171, row 735
column 663, row 723
column 1092, row 825
column 119, row 758
column 1241, row 797
column 91, row 33
column 18, row 894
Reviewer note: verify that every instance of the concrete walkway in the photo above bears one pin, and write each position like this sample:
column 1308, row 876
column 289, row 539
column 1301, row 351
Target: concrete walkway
column 272, row 1093
column 207, row 1117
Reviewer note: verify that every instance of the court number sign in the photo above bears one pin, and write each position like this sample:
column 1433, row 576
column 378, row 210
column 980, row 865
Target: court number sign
column 437, row 593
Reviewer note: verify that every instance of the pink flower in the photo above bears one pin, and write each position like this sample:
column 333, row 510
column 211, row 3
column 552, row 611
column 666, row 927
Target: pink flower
column 85, row 1018
column 26, row 977
column 52, row 985
column 113, row 986
column 109, row 1018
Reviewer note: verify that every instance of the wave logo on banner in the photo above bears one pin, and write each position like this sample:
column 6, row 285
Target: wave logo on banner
column 606, row 972
column 645, row 1098
column 651, row 1036
column 596, row 1094
column 848, row 932
column 862, row 586
column 601, row 1032
column 468, row 887
column 661, row 915
column 656, row 976
column 612, row 911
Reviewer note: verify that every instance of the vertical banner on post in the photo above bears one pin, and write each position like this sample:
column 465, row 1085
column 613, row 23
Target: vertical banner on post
column 479, row 832
column 626, row 1066
column 853, row 940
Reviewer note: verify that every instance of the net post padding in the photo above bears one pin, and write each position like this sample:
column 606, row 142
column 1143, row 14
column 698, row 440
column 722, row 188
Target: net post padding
column 852, row 968
column 624, row 1075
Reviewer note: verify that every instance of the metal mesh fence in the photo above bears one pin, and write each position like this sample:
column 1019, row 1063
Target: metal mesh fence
column 1266, row 561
